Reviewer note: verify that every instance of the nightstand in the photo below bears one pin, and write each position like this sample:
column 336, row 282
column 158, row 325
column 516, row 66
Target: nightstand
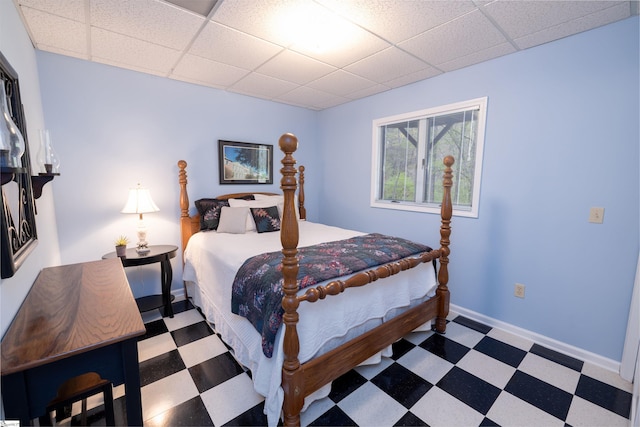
column 157, row 253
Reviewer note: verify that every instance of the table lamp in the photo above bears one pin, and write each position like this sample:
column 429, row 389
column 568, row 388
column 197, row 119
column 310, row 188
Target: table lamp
column 140, row 202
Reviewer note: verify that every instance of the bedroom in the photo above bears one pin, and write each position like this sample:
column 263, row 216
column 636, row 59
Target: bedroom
column 562, row 136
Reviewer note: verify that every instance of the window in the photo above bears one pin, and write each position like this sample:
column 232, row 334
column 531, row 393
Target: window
column 408, row 150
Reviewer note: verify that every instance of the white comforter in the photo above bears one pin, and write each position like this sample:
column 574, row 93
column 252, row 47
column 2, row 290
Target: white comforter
column 211, row 262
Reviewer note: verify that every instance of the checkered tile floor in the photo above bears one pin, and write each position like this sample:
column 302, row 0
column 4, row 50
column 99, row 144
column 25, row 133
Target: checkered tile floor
column 472, row 376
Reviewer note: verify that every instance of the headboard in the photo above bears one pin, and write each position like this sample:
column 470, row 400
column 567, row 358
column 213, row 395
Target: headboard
column 190, row 224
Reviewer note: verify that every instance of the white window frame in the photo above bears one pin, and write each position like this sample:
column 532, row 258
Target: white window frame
column 376, row 167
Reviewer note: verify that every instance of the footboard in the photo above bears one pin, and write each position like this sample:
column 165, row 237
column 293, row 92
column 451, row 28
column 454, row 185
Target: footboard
column 298, row 381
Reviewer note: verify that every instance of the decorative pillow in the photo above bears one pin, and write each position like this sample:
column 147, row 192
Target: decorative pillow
column 251, row 225
column 232, row 220
column 266, row 219
column 209, row 210
column 278, row 200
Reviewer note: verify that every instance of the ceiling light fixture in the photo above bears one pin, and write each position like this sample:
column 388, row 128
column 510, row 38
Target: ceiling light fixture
column 314, row 29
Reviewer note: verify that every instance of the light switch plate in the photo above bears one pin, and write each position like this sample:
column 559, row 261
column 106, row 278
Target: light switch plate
column 596, row 215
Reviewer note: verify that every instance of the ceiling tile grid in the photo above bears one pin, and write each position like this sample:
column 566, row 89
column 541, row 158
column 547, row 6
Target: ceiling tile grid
column 294, row 67
column 206, row 72
column 522, row 18
column 387, row 65
column 463, row 36
column 256, row 84
column 71, row 9
column 229, row 46
column 128, row 50
column 584, row 23
column 341, row 83
column 45, row 33
column 310, row 53
column 397, row 21
column 148, row 20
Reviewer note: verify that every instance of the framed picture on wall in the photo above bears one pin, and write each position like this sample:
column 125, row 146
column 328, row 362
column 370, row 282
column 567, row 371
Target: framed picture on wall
column 245, row 163
column 18, row 236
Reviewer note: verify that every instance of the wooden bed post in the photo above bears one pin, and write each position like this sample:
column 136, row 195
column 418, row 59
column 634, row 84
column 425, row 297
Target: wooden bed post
column 445, row 231
column 185, row 221
column 292, row 378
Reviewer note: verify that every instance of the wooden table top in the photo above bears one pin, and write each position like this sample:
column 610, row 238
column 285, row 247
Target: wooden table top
column 69, row 310
column 156, row 253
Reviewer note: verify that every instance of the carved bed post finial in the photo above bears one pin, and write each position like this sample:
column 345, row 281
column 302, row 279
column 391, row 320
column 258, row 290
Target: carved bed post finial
column 445, row 231
column 291, row 374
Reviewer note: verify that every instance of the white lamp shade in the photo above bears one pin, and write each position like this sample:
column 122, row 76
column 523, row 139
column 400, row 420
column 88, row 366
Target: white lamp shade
column 139, row 201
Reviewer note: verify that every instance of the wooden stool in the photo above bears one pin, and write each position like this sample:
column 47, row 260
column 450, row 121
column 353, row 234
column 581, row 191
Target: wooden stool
column 82, row 387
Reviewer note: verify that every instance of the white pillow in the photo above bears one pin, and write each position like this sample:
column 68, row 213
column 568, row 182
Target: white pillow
column 233, row 220
column 250, row 224
column 268, row 197
column 279, row 201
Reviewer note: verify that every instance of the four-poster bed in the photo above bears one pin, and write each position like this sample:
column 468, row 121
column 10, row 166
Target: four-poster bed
column 294, row 372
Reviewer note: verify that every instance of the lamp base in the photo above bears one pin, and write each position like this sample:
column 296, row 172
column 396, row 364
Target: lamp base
column 142, row 250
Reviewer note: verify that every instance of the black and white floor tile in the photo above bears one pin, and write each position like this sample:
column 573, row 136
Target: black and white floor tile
column 472, row 376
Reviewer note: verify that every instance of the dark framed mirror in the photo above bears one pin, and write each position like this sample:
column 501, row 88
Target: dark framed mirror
column 18, row 237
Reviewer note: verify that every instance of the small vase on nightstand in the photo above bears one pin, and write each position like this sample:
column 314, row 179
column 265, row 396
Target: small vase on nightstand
column 121, row 250
column 121, row 246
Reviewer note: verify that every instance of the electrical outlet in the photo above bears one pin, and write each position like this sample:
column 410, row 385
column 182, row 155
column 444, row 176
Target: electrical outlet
column 519, row 290
column 596, row 215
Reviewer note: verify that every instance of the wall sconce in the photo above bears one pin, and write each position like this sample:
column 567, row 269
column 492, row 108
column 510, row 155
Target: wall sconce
column 48, row 161
column 140, row 202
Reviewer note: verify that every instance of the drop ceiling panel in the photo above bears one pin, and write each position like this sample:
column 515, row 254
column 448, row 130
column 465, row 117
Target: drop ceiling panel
column 71, row 9
column 387, row 65
column 477, row 57
column 264, row 48
column 128, row 50
column 229, row 46
column 262, row 86
column 53, row 31
column 422, row 74
column 149, row 20
column 266, row 19
column 467, row 34
column 396, row 21
column 296, row 68
column 208, row 72
column 113, row 63
column 594, row 20
column 368, row 92
column 341, row 83
column 519, row 19
column 317, row 99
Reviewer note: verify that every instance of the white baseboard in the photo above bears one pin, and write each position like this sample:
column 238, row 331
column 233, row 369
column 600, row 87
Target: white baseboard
column 547, row 342
column 178, row 293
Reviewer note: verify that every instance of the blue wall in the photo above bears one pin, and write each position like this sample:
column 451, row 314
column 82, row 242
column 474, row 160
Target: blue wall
column 562, row 136
column 113, row 128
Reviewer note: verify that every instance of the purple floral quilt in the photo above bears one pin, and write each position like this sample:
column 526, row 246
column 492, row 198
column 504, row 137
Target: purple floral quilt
column 257, row 288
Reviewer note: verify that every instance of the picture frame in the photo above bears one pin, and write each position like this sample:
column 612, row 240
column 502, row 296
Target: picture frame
column 245, row 163
column 18, row 235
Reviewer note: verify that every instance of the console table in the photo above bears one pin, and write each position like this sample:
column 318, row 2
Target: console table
column 76, row 318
